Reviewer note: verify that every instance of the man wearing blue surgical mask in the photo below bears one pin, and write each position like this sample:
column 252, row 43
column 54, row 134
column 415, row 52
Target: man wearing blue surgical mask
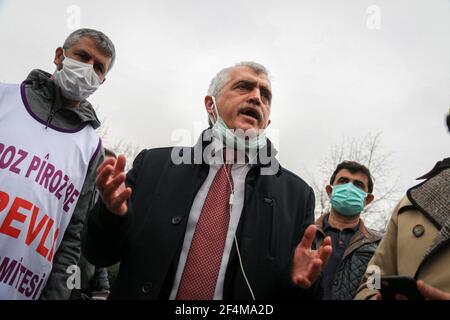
column 47, row 129
column 350, row 190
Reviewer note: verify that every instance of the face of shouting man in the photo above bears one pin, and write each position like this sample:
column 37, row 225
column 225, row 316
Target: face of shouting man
column 244, row 102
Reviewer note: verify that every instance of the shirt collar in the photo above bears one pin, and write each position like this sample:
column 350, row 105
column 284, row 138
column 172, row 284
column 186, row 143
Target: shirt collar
column 327, row 225
column 218, row 149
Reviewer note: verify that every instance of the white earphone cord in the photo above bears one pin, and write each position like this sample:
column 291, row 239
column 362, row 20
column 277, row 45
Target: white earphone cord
column 235, row 238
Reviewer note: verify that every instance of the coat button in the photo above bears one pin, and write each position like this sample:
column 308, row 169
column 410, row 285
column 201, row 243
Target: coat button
column 269, row 201
column 418, row 230
column 146, row 288
column 176, row 220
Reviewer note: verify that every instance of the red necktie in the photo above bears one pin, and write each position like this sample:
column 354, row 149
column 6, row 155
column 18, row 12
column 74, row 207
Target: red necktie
column 201, row 270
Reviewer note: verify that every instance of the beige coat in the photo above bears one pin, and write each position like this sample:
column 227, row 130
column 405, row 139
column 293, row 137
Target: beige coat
column 417, row 241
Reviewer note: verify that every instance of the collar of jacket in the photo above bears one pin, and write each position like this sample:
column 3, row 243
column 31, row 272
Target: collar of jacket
column 206, row 138
column 362, row 236
column 439, row 166
column 41, row 83
column 432, row 198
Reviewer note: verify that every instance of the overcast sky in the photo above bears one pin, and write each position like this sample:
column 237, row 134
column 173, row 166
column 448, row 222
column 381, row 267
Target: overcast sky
column 333, row 75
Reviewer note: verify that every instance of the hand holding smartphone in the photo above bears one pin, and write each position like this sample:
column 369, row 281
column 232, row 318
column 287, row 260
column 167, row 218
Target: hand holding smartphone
column 393, row 285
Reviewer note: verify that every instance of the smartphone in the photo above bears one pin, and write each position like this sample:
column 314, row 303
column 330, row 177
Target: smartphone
column 406, row 286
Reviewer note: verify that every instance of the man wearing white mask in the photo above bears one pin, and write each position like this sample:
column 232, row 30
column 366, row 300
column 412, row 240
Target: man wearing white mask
column 49, row 152
column 220, row 220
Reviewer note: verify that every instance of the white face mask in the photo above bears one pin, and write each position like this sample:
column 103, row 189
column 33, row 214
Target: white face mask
column 242, row 143
column 76, row 79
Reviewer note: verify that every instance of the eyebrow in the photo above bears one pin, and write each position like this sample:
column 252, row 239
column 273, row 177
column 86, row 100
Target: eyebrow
column 356, row 181
column 83, row 52
column 263, row 88
column 88, row 55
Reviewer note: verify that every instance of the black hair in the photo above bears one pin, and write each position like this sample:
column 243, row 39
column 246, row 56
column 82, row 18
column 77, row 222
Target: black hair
column 353, row 167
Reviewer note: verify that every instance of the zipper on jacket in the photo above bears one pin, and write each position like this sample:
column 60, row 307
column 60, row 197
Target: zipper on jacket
column 50, row 118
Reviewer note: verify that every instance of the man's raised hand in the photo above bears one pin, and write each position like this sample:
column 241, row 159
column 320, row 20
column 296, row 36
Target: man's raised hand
column 308, row 263
column 110, row 182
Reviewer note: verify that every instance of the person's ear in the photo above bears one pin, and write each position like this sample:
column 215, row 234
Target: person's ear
column 58, row 57
column 329, row 190
column 369, row 199
column 209, row 105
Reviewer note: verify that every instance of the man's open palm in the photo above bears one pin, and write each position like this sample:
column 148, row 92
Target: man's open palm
column 111, row 185
column 308, row 263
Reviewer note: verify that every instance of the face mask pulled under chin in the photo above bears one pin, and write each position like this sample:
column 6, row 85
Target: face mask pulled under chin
column 236, row 138
column 77, row 80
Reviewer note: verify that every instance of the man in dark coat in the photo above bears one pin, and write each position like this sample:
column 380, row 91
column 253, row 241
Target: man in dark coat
column 221, row 220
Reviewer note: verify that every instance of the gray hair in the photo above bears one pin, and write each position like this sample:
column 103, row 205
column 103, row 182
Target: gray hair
column 223, row 76
column 101, row 40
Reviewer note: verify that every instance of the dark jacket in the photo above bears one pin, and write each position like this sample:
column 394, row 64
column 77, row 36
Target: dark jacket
column 354, row 262
column 93, row 278
column 148, row 239
column 44, row 99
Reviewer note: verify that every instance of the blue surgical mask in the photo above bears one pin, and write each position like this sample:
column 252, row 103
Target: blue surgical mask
column 231, row 139
column 347, row 199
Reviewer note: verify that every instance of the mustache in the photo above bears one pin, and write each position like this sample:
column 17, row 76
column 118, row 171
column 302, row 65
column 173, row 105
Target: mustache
column 252, row 111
